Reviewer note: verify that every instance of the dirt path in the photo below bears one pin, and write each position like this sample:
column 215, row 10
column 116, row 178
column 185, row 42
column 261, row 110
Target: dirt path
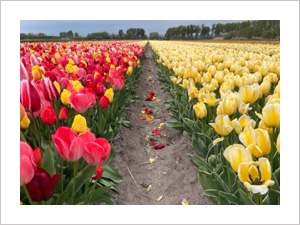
column 171, row 174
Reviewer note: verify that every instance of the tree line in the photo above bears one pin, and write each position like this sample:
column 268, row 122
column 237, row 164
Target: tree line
column 251, row 29
column 265, row 29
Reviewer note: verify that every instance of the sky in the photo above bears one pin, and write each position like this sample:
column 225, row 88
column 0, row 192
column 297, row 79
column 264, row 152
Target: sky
column 83, row 27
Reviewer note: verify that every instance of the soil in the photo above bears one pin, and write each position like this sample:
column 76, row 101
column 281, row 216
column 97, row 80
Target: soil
column 171, row 175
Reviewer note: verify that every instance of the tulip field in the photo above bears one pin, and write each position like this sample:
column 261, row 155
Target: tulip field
column 75, row 99
column 226, row 99
column 69, row 114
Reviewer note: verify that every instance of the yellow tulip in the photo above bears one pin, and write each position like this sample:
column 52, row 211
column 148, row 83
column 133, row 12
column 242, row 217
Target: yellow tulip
column 277, row 89
column 248, row 137
column 244, row 108
column 211, row 99
column 57, row 86
column 64, row 97
column 79, row 124
column 200, row 110
column 109, row 93
column 37, row 73
column 262, row 125
column 270, row 114
column 249, row 93
column 25, row 122
column 76, row 85
column 69, row 68
column 265, row 87
column 57, row 56
column 278, row 143
column 236, row 154
column 258, row 181
column 263, row 143
column 222, row 125
column 229, row 103
column 244, row 121
column 129, row 70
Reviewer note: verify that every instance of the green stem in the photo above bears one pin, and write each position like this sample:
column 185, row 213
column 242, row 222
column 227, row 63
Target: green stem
column 257, row 199
column 48, row 127
column 88, row 182
column 22, row 136
column 74, row 183
column 27, row 194
column 62, row 174
column 93, row 188
column 248, row 199
column 36, row 130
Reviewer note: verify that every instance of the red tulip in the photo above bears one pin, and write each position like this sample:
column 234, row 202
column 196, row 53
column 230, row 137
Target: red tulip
column 30, row 98
column 48, row 115
column 99, row 172
column 63, row 113
column 96, row 152
column 100, row 89
column 104, row 102
column 37, row 158
column 23, row 72
column 82, row 100
column 69, row 145
column 42, row 186
column 49, row 90
column 27, row 165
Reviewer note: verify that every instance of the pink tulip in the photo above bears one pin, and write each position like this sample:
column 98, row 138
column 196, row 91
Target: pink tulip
column 66, row 145
column 30, row 98
column 49, row 90
column 27, row 165
column 83, row 100
column 96, row 152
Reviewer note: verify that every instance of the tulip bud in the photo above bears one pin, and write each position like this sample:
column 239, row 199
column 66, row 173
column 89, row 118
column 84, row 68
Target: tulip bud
column 42, row 186
column 25, row 122
column 200, row 110
column 30, row 97
column 48, row 115
column 109, row 93
column 212, row 159
column 99, row 172
column 56, row 84
column 22, row 112
column 79, row 124
column 36, row 72
column 37, row 158
column 64, row 97
column 104, row 102
column 63, row 113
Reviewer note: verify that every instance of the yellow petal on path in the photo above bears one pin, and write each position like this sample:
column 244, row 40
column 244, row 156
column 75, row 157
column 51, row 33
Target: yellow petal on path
column 184, row 202
column 159, row 198
column 151, row 160
column 149, row 188
column 160, row 125
column 157, row 100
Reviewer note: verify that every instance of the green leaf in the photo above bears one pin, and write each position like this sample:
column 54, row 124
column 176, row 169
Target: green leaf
column 274, row 197
column 111, row 173
column 48, row 161
column 109, row 183
column 232, row 198
column 197, row 161
column 98, row 194
column 212, row 193
column 175, row 124
column 243, row 196
column 198, row 145
column 112, row 155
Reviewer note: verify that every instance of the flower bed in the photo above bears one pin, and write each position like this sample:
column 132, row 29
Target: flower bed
column 226, row 100
column 73, row 101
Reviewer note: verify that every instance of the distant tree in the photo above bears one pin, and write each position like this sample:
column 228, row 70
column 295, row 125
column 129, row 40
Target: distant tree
column 62, row 34
column 121, row 34
column 76, row 35
column 197, row 30
column 70, row 34
column 154, row 36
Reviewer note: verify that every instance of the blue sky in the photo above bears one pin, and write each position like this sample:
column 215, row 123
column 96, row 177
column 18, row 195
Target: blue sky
column 83, row 27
